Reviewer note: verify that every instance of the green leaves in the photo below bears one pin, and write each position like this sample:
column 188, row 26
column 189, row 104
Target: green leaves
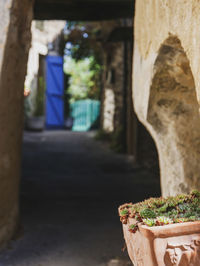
column 162, row 220
column 124, row 212
column 133, row 228
column 195, row 193
column 162, row 211
column 149, row 222
column 83, row 78
column 147, row 213
column 163, row 208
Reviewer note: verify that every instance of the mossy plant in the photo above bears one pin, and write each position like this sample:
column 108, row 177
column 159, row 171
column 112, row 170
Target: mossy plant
column 162, row 211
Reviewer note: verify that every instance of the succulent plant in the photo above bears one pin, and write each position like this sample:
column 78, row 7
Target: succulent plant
column 162, row 220
column 149, row 222
column 124, row 212
column 133, row 228
column 162, row 211
column 147, row 213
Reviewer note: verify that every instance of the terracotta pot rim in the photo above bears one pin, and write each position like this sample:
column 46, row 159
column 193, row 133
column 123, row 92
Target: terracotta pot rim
column 170, row 229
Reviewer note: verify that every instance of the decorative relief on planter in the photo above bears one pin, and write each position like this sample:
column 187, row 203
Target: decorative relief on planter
column 183, row 254
column 169, row 245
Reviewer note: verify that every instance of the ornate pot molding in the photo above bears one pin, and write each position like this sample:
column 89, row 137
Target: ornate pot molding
column 168, row 245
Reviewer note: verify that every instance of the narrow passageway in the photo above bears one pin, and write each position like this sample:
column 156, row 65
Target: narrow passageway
column 71, row 188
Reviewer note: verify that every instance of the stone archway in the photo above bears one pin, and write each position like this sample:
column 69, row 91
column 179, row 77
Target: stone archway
column 174, row 120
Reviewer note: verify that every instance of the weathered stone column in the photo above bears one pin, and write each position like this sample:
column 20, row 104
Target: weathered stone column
column 166, row 88
column 15, row 37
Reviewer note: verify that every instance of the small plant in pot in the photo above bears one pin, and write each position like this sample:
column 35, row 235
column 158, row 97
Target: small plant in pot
column 163, row 231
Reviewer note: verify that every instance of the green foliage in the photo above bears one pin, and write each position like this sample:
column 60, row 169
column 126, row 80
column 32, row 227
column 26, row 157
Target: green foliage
column 147, row 213
column 195, row 193
column 124, row 212
column 149, row 222
column 132, row 226
column 82, row 78
column 163, row 208
column 162, row 211
column 162, row 220
column 39, row 104
column 83, row 39
column 83, row 60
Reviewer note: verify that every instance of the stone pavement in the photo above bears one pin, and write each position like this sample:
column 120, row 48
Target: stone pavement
column 71, row 188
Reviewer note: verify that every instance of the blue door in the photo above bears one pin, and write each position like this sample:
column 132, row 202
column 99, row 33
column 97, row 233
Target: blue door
column 54, row 92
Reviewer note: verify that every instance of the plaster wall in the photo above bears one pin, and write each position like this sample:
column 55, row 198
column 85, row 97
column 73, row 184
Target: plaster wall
column 173, row 25
column 39, row 45
column 43, row 33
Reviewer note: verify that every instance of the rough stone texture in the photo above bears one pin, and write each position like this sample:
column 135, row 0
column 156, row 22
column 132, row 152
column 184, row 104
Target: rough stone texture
column 169, row 245
column 109, row 109
column 113, row 88
column 14, row 45
column 167, row 87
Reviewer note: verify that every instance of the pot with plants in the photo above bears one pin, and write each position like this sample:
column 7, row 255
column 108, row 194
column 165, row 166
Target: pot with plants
column 163, row 231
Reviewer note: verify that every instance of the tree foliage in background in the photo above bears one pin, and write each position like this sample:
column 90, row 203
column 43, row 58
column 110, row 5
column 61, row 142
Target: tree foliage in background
column 83, row 60
column 82, row 78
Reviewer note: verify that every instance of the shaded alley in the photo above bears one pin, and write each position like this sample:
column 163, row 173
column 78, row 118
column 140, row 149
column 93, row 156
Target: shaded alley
column 71, row 188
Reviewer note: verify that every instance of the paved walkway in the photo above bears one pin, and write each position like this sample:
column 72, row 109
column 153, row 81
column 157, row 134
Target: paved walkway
column 71, row 188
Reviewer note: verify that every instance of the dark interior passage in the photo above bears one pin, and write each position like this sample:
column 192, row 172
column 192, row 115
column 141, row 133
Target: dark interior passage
column 71, row 188
column 83, row 9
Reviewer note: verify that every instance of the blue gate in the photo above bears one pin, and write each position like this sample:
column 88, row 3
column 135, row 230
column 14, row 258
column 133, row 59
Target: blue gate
column 54, row 92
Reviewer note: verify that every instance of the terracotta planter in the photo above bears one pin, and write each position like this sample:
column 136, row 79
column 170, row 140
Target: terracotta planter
column 171, row 245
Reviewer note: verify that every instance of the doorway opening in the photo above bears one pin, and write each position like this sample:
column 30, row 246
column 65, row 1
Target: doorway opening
column 72, row 185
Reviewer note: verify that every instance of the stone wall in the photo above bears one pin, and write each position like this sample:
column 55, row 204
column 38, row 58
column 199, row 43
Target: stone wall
column 113, row 88
column 118, row 116
column 15, row 40
column 167, row 87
